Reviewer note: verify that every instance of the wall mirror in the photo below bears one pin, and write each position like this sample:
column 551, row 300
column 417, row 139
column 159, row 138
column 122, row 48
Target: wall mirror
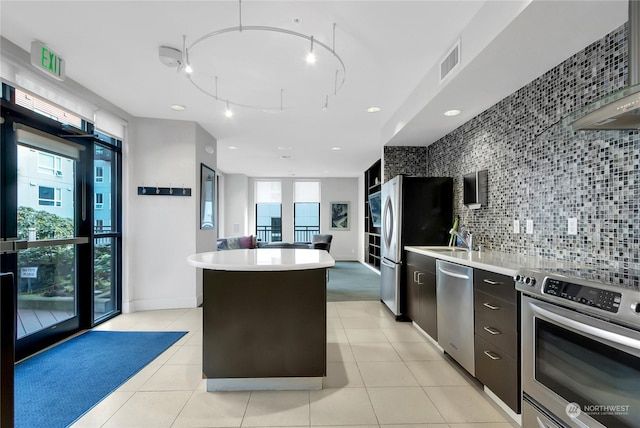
column 207, row 197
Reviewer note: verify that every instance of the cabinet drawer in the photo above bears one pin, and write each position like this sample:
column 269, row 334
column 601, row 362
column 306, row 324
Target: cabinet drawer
column 498, row 327
column 496, row 311
column 497, row 285
column 499, row 372
column 424, row 263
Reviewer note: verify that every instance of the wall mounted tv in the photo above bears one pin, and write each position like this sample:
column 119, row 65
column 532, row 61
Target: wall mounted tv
column 375, row 208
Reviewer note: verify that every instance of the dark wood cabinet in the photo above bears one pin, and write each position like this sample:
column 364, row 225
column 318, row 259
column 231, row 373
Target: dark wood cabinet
column 263, row 325
column 421, row 292
column 372, row 184
column 499, row 373
column 497, row 339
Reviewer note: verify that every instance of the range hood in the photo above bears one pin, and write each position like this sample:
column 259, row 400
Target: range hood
column 619, row 110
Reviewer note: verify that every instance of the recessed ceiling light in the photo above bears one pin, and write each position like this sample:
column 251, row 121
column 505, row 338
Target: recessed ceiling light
column 285, row 148
column 178, row 107
column 335, row 148
column 232, row 148
column 453, row 112
column 373, row 109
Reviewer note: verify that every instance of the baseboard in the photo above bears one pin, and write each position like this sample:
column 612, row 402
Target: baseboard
column 158, row 304
column 428, row 337
column 513, row 415
column 343, row 257
column 369, row 266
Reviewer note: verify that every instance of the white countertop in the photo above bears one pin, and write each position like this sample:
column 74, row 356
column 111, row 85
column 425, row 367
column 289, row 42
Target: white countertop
column 493, row 261
column 262, row 259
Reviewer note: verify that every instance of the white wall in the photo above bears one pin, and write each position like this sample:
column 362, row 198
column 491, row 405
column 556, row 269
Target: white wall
column 235, row 206
column 239, row 205
column 205, row 238
column 345, row 244
column 164, row 230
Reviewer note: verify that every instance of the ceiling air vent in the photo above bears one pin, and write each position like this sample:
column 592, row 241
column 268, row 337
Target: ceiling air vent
column 450, row 61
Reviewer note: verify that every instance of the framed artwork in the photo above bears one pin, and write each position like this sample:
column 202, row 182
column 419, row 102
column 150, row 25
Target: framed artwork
column 339, row 216
column 207, row 197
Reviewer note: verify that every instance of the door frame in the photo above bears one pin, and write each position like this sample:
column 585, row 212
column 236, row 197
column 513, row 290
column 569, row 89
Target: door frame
column 84, row 197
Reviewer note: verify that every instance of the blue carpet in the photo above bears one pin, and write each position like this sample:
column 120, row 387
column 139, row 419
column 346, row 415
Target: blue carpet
column 349, row 281
column 56, row 387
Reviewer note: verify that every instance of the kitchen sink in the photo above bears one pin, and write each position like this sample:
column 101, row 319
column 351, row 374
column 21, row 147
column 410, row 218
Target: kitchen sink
column 445, row 249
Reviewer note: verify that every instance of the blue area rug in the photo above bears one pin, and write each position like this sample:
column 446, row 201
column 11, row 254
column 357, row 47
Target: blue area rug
column 349, row 281
column 56, row 387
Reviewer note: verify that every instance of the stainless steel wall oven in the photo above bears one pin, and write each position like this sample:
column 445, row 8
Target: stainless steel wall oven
column 580, row 351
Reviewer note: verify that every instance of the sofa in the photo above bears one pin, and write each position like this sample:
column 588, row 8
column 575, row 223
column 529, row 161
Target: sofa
column 236, row 243
column 318, row 242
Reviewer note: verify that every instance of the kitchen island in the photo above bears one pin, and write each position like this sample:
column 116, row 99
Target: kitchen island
column 264, row 318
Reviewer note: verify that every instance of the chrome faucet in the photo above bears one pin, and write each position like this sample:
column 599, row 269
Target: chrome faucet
column 468, row 242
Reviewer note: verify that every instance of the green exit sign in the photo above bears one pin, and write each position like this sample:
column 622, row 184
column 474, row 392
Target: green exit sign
column 46, row 60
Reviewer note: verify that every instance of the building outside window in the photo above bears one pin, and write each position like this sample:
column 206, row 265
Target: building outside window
column 99, row 201
column 306, row 210
column 99, row 174
column 49, row 196
column 49, row 164
column 269, row 211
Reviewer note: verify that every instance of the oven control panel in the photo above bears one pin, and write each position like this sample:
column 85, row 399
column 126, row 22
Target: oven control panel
column 597, row 298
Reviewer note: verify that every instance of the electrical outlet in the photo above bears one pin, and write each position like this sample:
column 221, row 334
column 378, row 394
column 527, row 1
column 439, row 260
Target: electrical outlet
column 572, row 226
column 516, row 226
column 529, row 226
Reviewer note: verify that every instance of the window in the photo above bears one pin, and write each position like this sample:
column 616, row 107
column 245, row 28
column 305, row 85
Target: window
column 99, row 174
column 306, row 210
column 99, row 201
column 49, row 196
column 49, row 164
column 269, row 211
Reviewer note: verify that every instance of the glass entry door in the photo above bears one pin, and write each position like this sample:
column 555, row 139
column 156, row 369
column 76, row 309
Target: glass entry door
column 45, row 232
column 60, row 219
column 46, row 223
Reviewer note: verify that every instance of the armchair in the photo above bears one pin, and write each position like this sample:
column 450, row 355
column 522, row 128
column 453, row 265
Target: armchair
column 321, row 242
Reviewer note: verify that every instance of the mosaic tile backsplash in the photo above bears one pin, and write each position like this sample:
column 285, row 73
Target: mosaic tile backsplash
column 547, row 173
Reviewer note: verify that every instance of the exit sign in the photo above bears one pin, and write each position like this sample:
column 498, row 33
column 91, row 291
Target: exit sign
column 47, row 61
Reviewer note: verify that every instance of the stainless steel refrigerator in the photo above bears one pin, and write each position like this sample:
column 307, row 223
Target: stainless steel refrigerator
column 415, row 211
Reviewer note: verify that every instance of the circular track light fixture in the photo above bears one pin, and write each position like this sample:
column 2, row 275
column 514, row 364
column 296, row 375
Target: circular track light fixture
column 192, row 61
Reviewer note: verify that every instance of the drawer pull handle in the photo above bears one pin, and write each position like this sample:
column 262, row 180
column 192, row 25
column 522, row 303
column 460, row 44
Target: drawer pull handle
column 492, row 355
column 490, row 306
column 490, row 282
column 492, row 330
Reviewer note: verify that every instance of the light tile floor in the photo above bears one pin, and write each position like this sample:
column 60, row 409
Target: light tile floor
column 380, row 373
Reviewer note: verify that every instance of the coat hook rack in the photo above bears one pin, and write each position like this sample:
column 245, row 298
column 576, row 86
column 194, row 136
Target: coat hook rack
column 164, row 191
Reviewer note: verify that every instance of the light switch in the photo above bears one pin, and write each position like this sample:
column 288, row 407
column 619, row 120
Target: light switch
column 572, row 226
column 529, row 226
column 516, row 226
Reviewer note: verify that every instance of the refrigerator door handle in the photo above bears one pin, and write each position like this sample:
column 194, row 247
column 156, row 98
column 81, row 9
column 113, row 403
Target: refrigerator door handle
column 388, row 264
column 388, row 223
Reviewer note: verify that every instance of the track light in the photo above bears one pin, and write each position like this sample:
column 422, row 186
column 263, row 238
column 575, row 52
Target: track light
column 184, row 61
column 228, row 112
column 311, row 57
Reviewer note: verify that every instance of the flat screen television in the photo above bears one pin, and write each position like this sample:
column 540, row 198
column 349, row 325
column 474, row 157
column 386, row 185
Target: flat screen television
column 375, row 208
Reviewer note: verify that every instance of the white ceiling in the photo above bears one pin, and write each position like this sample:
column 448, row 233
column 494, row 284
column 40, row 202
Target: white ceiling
column 391, row 50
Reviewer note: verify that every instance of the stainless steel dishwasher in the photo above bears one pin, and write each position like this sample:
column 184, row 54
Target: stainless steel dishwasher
column 454, row 295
